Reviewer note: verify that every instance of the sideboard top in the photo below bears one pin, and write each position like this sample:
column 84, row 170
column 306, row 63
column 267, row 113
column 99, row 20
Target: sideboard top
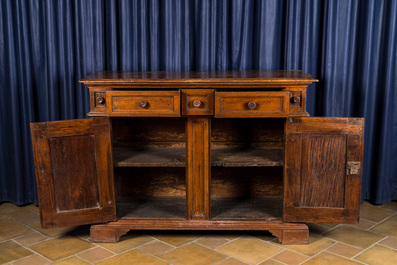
column 214, row 79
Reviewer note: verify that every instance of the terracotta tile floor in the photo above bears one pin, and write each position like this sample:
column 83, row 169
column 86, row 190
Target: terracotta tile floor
column 373, row 241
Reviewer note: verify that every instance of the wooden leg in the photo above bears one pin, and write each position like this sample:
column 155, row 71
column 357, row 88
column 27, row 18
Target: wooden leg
column 101, row 234
column 292, row 236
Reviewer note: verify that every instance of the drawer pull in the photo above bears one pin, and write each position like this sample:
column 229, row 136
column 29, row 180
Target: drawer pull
column 251, row 105
column 100, row 100
column 196, row 103
column 143, row 103
column 295, row 100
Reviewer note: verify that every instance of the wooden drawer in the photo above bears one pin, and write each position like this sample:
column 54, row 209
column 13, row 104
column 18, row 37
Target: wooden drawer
column 143, row 103
column 197, row 101
column 251, row 104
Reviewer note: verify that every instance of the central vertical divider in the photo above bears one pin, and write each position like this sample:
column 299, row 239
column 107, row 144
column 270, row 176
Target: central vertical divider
column 198, row 168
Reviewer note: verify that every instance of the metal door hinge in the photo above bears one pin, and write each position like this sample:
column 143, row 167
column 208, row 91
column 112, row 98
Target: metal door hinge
column 353, row 168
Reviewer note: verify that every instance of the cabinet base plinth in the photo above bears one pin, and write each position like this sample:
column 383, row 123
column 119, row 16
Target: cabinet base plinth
column 103, row 234
column 287, row 233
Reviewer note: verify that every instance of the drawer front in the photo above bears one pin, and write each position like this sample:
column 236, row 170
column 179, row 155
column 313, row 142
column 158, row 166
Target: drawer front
column 251, row 104
column 197, row 101
column 143, row 103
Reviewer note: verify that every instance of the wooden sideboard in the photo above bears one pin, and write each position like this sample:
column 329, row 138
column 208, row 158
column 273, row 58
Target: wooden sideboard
column 231, row 150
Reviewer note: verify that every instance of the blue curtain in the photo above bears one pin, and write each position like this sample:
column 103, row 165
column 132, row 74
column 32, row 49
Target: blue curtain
column 47, row 46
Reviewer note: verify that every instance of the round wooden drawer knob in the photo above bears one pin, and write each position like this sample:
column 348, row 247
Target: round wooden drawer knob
column 100, row 100
column 295, row 99
column 143, row 104
column 251, row 105
column 196, row 103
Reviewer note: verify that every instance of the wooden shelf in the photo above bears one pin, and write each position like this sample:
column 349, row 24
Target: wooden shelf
column 152, row 207
column 246, row 157
column 264, row 207
column 176, row 157
column 267, row 208
column 149, row 157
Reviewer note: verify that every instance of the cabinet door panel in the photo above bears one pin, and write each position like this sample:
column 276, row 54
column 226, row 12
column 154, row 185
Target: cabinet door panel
column 323, row 170
column 322, row 173
column 74, row 171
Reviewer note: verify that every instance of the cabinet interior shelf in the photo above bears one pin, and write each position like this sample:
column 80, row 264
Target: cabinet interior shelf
column 176, row 157
column 264, row 207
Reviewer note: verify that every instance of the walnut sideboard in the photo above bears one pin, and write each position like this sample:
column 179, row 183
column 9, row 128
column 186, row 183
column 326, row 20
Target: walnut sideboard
column 228, row 150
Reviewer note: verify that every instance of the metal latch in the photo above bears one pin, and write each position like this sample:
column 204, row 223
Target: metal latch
column 353, row 168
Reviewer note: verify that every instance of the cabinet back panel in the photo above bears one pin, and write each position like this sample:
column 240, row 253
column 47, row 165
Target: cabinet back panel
column 225, row 182
column 246, row 182
column 147, row 182
column 171, row 131
column 127, row 131
column 269, row 132
column 75, row 189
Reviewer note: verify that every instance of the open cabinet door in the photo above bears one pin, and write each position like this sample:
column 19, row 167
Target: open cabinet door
column 74, row 171
column 322, row 169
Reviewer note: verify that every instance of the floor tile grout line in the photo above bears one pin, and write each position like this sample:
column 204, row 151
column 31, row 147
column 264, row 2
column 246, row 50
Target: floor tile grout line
column 220, row 261
column 362, row 218
column 238, row 238
column 387, row 246
column 68, row 257
column 154, row 256
column 34, row 230
column 44, row 240
column 137, row 248
column 368, row 247
column 215, row 250
column 76, row 255
column 162, row 253
column 282, row 249
column 28, row 227
column 50, row 238
column 16, row 260
column 158, row 240
column 271, row 258
column 229, row 241
column 382, row 221
column 210, row 247
column 113, row 253
column 332, row 228
column 175, row 247
column 338, row 242
column 16, row 237
column 347, row 225
column 283, row 263
column 28, row 248
column 351, row 258
column 322, row 251
column 264, row 241
column 308, row 257
column 157, row 257
column 343, row 243
column 378, row 222
column 294, row 251
column 227, row 257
